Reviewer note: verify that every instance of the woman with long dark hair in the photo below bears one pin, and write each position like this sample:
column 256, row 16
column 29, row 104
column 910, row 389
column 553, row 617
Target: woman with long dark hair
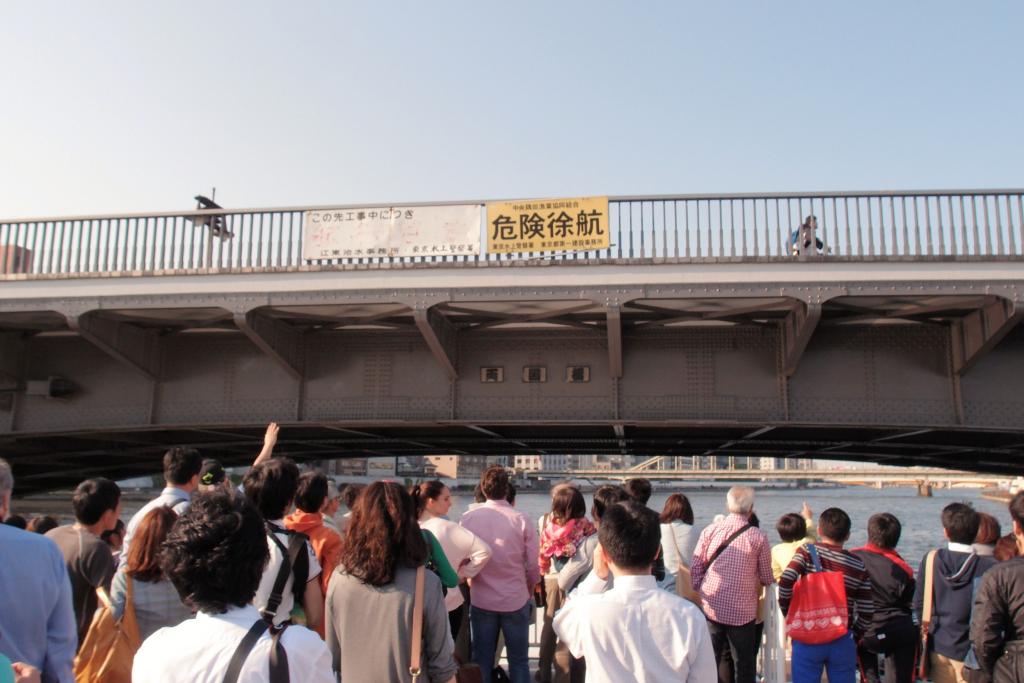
column 465, row 551
column 370, row 597
column 677, row 537
column 157, row 603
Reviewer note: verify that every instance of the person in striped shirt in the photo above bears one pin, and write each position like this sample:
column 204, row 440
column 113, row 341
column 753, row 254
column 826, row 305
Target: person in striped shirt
column 839, row 657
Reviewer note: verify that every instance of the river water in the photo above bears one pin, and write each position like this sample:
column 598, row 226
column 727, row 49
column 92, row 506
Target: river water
column 920, row 517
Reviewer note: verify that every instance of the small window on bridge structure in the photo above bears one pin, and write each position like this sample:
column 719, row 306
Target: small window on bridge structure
column 492, row 375
column 577, row 373
column 535, row 374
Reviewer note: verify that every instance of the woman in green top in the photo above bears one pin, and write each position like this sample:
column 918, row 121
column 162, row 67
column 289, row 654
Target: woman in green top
column 438, row 563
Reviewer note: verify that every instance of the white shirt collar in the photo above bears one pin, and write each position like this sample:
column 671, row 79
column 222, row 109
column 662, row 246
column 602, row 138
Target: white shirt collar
column 244, row 616
column 960, row 547
column 175, row 492
column 635, row 582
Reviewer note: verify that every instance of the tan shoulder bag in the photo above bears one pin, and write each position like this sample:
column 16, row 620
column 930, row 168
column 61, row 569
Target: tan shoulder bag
column 926, row 613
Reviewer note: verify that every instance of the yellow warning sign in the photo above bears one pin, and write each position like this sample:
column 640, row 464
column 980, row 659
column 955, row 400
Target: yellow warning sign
column 579, row 224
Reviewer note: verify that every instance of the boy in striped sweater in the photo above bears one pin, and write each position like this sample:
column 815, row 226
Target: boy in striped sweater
column 839, row 657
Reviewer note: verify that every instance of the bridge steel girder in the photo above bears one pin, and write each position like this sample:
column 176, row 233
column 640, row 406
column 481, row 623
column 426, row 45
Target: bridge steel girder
column 797, row 329
column 132, row 346
column 12, row 370
column 440, row 337
column 981, row 330
column 613, row 315
column 280, row 341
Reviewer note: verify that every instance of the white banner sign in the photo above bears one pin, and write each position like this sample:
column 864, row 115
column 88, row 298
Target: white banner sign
column 391, row 231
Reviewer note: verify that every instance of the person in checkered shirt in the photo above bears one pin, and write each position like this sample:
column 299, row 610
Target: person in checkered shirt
column 731, row 564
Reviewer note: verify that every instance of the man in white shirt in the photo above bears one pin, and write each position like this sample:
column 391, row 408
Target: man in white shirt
column 634, row 631
column 181, row 476
column 215, row 556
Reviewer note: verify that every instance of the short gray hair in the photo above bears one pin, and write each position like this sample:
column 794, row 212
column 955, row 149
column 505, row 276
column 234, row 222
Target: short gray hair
column 6, row 478
column 740, row 500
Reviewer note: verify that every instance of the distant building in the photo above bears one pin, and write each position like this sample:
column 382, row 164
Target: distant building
column 412, row 465
column 355, row 467
column 380, row 468
column 456, row 466
column 526, row 463
column 544, row 463
column 606, row 462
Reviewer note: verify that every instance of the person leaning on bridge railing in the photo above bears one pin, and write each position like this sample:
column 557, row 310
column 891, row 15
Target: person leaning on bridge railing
column 805, row 240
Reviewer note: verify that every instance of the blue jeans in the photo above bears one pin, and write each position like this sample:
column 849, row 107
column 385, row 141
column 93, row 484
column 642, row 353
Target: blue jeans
column 516, row 627
column 838, row 657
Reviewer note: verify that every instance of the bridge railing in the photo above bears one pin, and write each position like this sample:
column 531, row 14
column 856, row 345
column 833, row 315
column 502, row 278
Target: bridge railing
column 918, row 225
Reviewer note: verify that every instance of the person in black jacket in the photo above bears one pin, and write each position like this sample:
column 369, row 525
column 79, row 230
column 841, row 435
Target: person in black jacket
column 997, row 626
column 892, row 633
column 956, row 572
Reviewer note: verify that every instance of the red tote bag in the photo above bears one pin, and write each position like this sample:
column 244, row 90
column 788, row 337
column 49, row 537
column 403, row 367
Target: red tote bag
column 818, row 612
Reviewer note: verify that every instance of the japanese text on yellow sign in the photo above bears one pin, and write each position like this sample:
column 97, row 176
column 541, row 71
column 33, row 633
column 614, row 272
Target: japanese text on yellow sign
column 579, row 224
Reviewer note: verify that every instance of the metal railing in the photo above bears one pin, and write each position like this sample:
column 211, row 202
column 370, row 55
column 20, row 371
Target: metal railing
column 915, row 225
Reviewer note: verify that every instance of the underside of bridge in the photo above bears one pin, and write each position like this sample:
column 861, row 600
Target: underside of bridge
column 904, row 373
column 49, row 461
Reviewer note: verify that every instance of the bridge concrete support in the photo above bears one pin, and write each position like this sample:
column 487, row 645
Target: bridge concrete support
column 924, row 489
column 133, row 347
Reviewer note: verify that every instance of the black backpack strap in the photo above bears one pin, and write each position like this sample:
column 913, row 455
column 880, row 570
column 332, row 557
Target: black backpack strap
column 276, row 594
column 279, row 658
column 300, row 565
column 243, row 650
column 729, row 540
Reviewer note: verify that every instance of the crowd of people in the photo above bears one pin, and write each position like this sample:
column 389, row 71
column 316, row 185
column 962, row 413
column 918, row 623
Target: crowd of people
column 268, row 581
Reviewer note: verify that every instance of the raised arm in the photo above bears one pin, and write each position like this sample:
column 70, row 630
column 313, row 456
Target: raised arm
column 269, row 441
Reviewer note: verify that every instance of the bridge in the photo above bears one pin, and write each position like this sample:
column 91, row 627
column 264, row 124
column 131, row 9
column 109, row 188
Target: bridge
column 909, row 475
column 695, row 330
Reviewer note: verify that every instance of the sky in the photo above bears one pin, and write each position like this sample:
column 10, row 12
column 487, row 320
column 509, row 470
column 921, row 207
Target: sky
column 112, row 107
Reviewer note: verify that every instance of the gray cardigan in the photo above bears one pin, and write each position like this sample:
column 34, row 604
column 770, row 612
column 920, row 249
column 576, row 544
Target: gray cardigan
column 157, row 603
column 369, row 629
